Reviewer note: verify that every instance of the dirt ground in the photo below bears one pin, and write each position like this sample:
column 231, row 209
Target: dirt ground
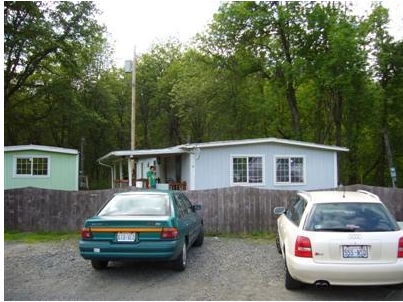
column 222, row 269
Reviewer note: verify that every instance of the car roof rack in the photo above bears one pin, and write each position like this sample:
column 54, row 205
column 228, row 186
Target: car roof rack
column 368, row 193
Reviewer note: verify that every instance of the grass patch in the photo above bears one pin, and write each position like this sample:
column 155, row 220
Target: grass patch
column 28, row 237
column 257, row 237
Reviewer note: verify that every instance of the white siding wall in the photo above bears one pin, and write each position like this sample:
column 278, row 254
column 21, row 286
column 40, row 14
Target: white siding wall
column 185, row 172
column 212, row 167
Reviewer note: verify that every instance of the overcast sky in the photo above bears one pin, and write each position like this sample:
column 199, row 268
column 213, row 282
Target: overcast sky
column 141, row 23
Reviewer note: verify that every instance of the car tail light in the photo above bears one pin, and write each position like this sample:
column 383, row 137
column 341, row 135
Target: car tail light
column 303, row 247
column 86, row 233
column 400, row 248
column 169, row 233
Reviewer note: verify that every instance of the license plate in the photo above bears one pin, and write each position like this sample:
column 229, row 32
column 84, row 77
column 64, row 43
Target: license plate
column 355, row 251
column 126, row 237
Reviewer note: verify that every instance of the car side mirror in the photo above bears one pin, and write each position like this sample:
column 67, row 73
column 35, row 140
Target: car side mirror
column 279, row 210
column 196, row 207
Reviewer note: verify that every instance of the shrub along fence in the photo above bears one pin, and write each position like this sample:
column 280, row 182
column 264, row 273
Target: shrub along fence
column 225, row 210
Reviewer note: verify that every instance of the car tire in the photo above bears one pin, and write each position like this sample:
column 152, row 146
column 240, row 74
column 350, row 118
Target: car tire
column 290, row 282
column 98, row 264
column 200, row 239
column 179, row 264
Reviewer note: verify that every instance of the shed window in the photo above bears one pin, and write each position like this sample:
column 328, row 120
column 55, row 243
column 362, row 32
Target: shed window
column 247, row 170
column 32, row 166
column 290, row 170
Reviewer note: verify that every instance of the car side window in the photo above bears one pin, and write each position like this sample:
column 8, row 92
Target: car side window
column 179, row 207
column 183, row 204
column 296, row 209
column 187, row 203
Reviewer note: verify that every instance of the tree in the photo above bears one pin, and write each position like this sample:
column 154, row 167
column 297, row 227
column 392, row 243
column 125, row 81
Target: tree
column 48, row 47
column 193, row 95
column 387, row 70
column 159, row 125
column 266, row 32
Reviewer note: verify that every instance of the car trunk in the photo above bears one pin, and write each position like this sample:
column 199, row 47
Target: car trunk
column 118, row 229
column 354, row 247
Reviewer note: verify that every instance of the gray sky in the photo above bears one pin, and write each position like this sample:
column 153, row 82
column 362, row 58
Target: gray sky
column 141, row 23
column 144, row 22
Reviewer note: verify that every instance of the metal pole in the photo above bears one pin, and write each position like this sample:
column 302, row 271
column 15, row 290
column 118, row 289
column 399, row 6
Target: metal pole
column 389, row 155
column 133, row 129
column 132, row 164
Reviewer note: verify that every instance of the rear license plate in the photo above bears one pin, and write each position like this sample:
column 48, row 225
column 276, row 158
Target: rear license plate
column 126, row 237
column 355, row 251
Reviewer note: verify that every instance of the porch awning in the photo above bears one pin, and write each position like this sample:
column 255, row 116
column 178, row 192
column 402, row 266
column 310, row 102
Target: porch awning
column 115, row 155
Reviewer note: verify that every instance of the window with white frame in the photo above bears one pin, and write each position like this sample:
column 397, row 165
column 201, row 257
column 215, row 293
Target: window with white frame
column 31, row 166
column 247, row 170
column 290, row 169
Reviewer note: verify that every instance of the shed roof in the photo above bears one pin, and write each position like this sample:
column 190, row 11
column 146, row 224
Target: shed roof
column 146, row 152
column 185, row 148
column 40, row 148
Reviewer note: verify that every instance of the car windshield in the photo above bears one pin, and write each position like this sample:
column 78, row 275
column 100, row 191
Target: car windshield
column 350, row 217
column 137, row 205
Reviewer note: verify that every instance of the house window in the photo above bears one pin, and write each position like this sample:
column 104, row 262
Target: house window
column 247, row 170
column 290, row 170
column 32, row 166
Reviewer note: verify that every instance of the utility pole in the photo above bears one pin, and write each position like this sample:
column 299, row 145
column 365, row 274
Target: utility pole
column 392, row 169
column 131, row 162
column 133, row 129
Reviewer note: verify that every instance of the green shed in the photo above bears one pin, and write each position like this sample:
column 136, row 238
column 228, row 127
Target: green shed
column 41, row 166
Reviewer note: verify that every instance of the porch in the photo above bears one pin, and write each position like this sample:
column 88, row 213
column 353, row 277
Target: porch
column 129, row 168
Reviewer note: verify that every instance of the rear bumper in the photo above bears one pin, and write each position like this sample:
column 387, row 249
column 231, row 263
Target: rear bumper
column 146, row 250
column 308, row 271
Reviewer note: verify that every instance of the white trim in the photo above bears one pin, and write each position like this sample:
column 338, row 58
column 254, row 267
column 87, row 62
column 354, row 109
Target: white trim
column 336, row 175
column 289, row 183
column 129, row 171
column 192, row 180
column 180, row 149
column 15, row 175
column 40, row 148
column 247, row 184
column 148, row 153
column 264, row 141
column 77, row 174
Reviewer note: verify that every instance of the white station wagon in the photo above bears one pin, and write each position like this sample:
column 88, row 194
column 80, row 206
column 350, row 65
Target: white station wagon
column 339, row 238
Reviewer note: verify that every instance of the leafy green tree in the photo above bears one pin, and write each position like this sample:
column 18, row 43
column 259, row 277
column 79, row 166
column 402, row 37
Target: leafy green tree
column 387, row 70
column 335, row 64
column 47, row 50
column 193, row 95
column 158, row 122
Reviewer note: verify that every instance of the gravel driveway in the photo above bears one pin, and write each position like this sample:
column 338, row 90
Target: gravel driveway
column 222, row 269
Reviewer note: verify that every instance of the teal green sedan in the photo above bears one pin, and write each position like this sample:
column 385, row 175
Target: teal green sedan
column 143, row 225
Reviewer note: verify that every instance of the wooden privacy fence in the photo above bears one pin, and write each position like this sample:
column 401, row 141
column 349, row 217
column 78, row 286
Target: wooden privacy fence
column 239, row 209
column 226, row 210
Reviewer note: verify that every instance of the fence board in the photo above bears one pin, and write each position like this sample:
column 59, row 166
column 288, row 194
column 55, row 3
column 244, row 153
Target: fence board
column 226, row 210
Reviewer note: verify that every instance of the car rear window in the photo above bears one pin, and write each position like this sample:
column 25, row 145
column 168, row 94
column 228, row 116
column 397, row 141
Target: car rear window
column 360, row 217
column 137, row 205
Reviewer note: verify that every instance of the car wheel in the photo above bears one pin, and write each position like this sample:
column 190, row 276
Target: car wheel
column 278, row 244
column 98, row 264
column 290, row 282
column 200, row 239
column 179, row 264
